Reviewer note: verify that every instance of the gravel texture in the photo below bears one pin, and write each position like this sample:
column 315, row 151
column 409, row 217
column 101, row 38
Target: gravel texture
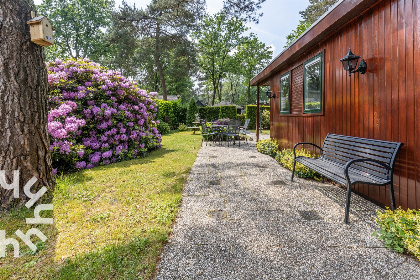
column 242, row 218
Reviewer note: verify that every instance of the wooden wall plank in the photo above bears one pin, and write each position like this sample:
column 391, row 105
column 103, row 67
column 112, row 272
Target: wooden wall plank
column 416, row 61
column 384, row 103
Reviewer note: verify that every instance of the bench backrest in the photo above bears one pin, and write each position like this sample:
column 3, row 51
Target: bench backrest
column 341, row 149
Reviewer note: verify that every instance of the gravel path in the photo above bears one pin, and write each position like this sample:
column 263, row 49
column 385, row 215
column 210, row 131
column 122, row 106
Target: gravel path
column 242, row 218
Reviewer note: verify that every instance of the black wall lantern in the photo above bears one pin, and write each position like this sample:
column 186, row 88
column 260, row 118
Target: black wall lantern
column 270, row 94
column 350, row 63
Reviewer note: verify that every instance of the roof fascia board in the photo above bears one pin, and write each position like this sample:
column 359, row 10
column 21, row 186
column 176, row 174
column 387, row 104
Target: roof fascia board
column 330, row 22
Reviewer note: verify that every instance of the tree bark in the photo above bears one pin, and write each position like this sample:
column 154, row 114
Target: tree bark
column 24, row 143
column 249, row 92
column 214, row 93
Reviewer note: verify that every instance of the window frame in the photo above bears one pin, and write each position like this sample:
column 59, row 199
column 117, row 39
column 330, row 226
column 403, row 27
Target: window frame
column 289, row 95
column 320, row 110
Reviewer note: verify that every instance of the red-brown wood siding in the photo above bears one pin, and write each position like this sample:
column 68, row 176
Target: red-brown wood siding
column 383, row 104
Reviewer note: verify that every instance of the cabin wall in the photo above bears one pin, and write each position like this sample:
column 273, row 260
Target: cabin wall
column 384, row 103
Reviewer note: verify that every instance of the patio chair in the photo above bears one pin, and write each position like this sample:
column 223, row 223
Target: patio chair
column 231, row 133
column 206, row 133
column 244, row 131
column 235, row 122
column 219, row 131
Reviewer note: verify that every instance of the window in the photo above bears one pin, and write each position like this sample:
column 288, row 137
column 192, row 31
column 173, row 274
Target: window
column 285, row 94
column 312, row 85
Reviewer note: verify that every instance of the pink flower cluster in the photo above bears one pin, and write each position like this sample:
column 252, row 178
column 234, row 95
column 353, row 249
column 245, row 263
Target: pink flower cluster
column 96, row 116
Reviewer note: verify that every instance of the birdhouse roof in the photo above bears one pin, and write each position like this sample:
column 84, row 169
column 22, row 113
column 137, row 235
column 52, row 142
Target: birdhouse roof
column 37, row 19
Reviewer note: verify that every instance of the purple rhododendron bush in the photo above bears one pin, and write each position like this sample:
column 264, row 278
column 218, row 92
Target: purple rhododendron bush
column 96, row 116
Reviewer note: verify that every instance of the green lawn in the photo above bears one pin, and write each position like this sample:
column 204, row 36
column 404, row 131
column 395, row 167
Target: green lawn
column 110, row 222
column 264, row 131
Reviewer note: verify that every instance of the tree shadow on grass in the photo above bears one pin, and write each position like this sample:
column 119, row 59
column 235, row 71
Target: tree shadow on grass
column 134, row 260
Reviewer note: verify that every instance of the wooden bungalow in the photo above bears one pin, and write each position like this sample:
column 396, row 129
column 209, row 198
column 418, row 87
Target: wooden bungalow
column 315, row 96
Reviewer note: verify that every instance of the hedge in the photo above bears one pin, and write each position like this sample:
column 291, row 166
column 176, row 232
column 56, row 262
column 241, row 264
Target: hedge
column 209, row 113
column 228, row 112
column 251, row 114
column 171, row 112
column 242, row 118
column 218, row 112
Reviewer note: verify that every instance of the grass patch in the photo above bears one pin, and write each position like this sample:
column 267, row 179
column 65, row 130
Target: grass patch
column 110, row 222
column 264, row 131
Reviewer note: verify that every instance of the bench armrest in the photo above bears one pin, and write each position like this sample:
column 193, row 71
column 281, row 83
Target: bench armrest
column 348, row 164
column 304, row 143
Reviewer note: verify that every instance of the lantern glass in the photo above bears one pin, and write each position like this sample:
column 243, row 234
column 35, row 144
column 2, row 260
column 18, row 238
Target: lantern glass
column 350, row 61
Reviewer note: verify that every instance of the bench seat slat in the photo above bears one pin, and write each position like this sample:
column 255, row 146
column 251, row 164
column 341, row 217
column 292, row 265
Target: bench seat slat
column 363, row 168
column 336, row 172
column 376, row 169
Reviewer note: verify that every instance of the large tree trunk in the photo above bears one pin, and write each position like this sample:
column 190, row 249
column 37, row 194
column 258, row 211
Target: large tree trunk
column 214, row 94
column 23, row 107
column 249, row 92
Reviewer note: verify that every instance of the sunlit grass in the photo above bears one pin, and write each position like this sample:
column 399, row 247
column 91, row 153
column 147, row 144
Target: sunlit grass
column 264, row 131
column 110, row 222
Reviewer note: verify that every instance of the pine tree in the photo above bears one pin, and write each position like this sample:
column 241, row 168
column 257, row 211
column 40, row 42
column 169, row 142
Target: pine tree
column 24, row 143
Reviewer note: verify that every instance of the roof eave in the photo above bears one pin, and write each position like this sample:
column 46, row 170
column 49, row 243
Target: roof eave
column 330, row 22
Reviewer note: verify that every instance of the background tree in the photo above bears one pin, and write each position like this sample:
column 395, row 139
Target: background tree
column 316, row 9
column 311, row 14
column 78, row 27
column 178, row 64
column 192, row 111
column 165, row 21
column 123, row 45
column 244, row 9
column 253, row 56
column 217, row 38
column 24, row 143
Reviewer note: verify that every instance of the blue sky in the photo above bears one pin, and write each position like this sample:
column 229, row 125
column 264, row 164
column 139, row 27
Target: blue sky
column 279, row 19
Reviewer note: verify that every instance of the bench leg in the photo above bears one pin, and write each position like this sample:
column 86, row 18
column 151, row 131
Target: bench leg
column 346, row 217
column 293, row 171
column 392, row 195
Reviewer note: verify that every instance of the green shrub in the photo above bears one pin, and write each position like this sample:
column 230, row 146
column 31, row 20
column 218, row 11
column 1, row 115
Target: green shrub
column 163, row 128
column 228, row 112
column 241, row 117
column 209, row 113
column 251, row 114
column 265, row 119
column 192, row 111
column 182, row 127
column 400, row 230
column 268, row 146
column 286, row 159
column 171, row 112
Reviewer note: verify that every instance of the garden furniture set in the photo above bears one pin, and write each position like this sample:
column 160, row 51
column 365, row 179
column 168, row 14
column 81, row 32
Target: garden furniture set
column 231, row 131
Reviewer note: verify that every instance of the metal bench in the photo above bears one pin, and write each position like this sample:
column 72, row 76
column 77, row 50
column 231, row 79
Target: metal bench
column 350, row 160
